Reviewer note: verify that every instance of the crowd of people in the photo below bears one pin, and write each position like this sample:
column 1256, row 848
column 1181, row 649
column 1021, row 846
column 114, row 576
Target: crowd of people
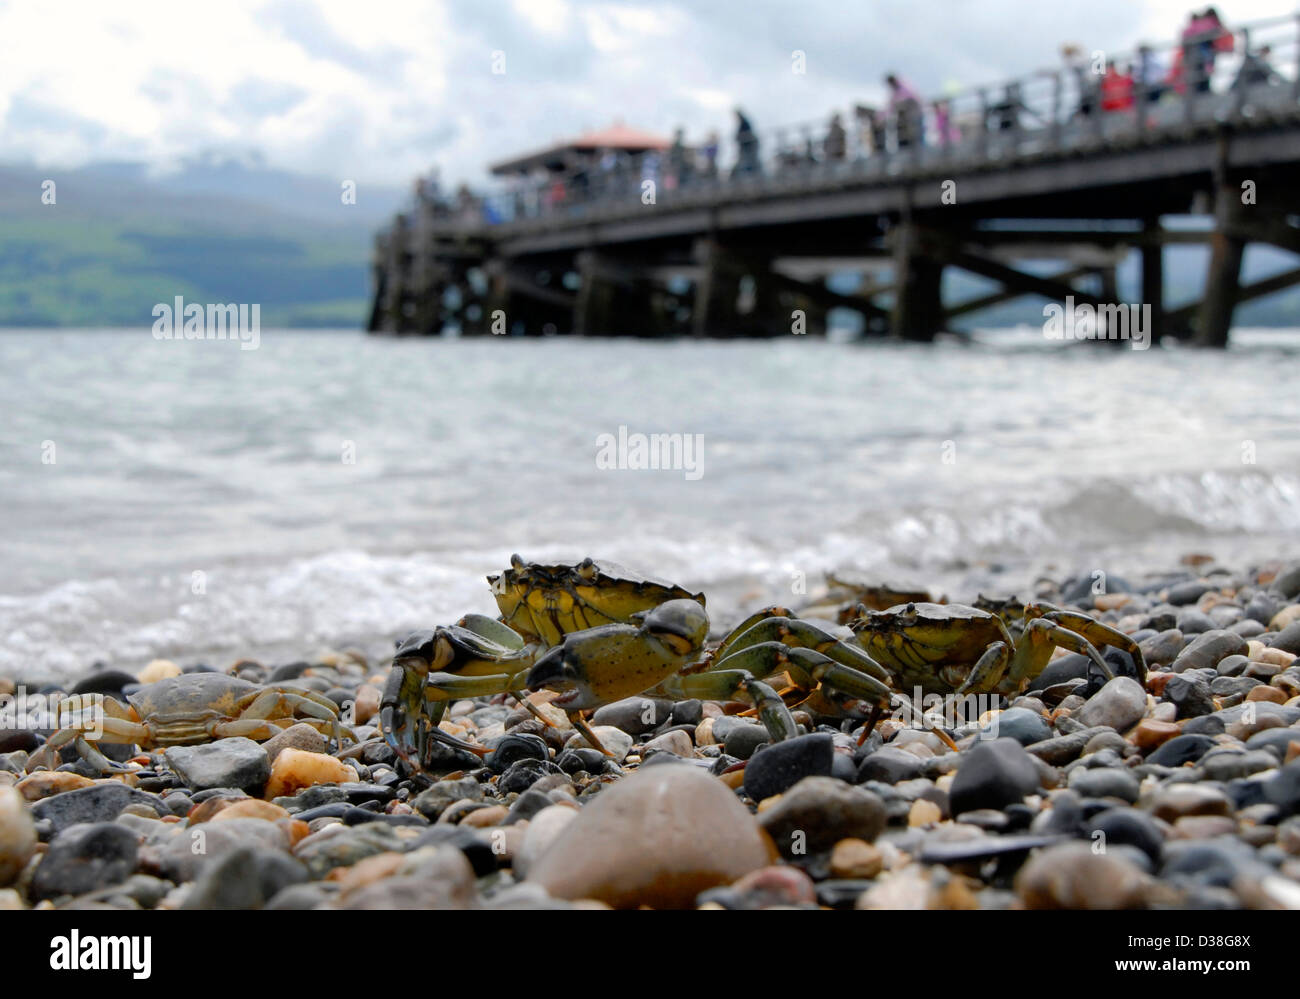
column 1100, row 86
column 906, row 121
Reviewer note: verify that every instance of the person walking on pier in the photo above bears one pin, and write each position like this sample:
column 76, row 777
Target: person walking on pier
column 1116, row 89
column 679, row 165
column 945, row 129
column 1255, row 71
column 1085, row 81
column 1004, row 116
column 871, row 129
column 905, row 109
column 1149, row 75
column 836, row 143
column 708, row 154
column 1203, row 40
column 746, row 146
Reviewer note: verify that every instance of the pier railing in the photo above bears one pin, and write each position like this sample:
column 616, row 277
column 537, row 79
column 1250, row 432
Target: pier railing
column 1080, row 105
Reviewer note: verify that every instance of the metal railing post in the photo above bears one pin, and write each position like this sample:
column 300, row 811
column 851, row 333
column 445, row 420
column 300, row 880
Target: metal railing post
column 984, row 123
column 1239, row 92
column 1295, row 82
column 1058, row 92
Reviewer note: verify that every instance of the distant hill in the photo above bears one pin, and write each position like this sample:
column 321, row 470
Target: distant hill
column 118, row 240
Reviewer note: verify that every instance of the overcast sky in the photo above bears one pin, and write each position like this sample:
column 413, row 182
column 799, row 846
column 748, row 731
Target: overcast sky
column 381, row 90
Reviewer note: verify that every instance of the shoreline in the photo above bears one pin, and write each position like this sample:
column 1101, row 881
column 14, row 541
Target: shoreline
column 1189, row 777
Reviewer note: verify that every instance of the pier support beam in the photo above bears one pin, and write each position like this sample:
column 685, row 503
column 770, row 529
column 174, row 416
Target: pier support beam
column 718, row 310
column 618, row 298
column 1153, row 276
column 1223, row 278
column 918, row 276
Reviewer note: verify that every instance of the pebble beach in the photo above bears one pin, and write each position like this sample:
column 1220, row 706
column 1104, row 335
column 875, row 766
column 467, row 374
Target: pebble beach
column 1182, row 792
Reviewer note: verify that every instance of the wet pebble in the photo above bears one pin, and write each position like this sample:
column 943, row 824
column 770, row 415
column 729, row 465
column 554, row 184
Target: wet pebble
column 816, row 813
column 743, row 740
column 17, row 835
column 298, row 736
column 1120, row 704
column 890, row 765
column 1072, row 876
column 511, row 748
column 992, row 775
column 245, row 878
column 1021, row 724
column 1181, row 749
column 633, row 715
column 1105, row 782
column 98, row 803
column 84, row 857
column 236, row 762
column 1176, row 800
column 781, row 765
column 658, row 837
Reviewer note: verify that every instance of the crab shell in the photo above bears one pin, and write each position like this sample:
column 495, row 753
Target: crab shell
column 179, row 708
column 930, row 646
column 543, row 603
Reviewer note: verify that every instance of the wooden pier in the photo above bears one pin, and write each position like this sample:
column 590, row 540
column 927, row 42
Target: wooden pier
column 732, row 253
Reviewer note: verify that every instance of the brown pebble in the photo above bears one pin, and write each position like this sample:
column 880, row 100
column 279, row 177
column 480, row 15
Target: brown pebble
column 1151, row 733
column 1204, row 826
column 483, row 818
column 856, row 858
column 295, row 769
column 1156, row 682
column 923, row 813
column 250, row 808
column 1264, row 692
column 366, row 705
column 47, row 783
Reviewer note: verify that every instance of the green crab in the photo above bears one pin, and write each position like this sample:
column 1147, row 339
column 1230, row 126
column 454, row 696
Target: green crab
column 960, row 649
column 186, row 710
column 540, row 606
column 847, row 590
column 596, row 633
column 663, row 656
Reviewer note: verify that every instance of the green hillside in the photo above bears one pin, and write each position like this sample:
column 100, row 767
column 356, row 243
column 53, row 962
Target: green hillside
column 110, row 248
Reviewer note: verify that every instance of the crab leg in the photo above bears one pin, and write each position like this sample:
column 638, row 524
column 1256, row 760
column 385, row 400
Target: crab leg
column 1035, row 648
column 741, row 629
column 803, row 634
column 988, row 670
column 115, row 730
column 277, row 699
column 723, row 685
column 1099, row 634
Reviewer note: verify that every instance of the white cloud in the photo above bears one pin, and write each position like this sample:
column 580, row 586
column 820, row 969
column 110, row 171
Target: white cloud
column 380, row 93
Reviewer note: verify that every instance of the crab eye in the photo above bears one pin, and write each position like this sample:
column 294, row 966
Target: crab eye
column 587, row 569
column 516, row 562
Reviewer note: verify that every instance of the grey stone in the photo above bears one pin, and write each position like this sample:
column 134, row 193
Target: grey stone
column 98, row 803
column 236, row 762
column 85, row 857
column 1120, row 705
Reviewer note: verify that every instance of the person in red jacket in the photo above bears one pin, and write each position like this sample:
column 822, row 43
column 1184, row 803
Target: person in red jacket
column 1117, row 89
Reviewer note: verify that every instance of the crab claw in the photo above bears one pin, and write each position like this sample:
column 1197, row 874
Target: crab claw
column 400, row 706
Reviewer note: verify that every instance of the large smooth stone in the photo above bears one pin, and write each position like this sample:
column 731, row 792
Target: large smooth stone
column 657, row 838
column 1118, row 705
column 17, row 835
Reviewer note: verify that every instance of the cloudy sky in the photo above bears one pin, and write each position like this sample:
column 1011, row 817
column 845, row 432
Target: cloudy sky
column 379, row 91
